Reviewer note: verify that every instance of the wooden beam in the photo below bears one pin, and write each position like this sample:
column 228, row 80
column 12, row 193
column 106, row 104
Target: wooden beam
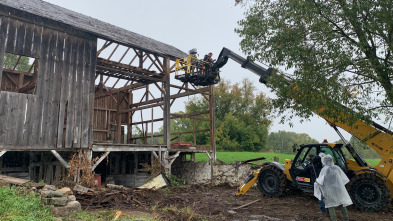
column 27, row 74
column 59, row 158
column 130, row 87
column 160, row 100
column 126, row 69
column 106, row 44
column 187, row 89
column 103, row 156
column 175, row 133
column 102, row 148
column 2, row 153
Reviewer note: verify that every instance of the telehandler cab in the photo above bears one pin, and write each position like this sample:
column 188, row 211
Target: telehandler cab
column 370, row 188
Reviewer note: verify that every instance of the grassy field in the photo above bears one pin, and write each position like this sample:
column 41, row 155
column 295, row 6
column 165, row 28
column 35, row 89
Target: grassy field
column 232, row 157
column 15, row 205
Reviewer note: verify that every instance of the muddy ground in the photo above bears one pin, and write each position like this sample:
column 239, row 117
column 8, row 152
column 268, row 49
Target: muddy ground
column 215, row 203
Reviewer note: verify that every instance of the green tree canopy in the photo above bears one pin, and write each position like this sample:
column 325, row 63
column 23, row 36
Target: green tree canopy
column 242, row 121
column 283, row 141
column 11, row 59
column 342, row 49
column 364, row 150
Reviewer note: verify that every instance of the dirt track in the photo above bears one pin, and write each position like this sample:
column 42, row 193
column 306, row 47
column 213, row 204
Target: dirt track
column 216, row 203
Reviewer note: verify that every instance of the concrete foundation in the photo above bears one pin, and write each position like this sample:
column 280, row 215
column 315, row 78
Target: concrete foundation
column 200, row 173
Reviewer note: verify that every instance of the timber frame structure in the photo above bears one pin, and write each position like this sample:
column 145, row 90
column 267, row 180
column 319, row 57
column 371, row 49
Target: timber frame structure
column 91, row 86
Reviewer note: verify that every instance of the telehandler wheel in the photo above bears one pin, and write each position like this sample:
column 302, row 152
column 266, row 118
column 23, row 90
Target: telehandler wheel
column 271, row 181
column 369, row 192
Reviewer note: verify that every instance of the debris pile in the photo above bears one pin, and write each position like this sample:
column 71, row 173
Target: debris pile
column 115, row 197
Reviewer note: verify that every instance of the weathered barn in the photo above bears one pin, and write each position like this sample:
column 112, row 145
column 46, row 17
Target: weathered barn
column 90, row 86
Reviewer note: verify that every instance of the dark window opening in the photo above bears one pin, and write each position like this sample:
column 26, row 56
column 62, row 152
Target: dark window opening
column 19, row 74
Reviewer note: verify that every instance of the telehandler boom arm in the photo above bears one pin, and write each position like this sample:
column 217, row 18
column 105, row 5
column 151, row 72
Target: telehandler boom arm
column 375, row 135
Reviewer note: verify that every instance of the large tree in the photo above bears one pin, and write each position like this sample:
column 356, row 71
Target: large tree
column 337, row 50
column 242, row 121
column 284, row 141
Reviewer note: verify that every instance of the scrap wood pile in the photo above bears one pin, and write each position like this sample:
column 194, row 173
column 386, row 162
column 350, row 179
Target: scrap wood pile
column 112, row 198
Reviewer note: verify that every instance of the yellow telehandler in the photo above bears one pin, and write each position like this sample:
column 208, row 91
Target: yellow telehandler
column 370, row 187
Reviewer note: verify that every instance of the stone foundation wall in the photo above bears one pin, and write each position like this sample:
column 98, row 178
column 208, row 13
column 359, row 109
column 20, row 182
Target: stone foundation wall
column 200, row 173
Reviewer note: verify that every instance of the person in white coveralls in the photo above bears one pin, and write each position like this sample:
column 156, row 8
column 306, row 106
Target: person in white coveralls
column 331, row 185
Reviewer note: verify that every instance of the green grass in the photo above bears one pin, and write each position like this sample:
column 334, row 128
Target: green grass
column 373, row 162
column 232, row 157
column 15, row 205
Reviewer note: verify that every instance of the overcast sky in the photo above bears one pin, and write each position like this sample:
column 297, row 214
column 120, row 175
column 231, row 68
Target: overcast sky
column 207, row 25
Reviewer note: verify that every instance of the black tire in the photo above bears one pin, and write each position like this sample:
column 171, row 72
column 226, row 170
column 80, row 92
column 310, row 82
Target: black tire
column 271, row 181
column 369, row 192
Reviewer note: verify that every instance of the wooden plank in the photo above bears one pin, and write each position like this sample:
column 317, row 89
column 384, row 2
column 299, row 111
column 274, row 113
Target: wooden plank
column 34, row 104
column 71, row 83
column 4, row 100
column 78, row 94
column 20, row 119
column 12, row 35
column 3, row 43
column 92, row 73
column 36, row 49
column 13, row 180
column 64, row 91
column 28, row 45
column 85, row 95
column 56, row 89
column 11, row 118
column 20, row 41
column 42, row 85
column 28, row 124
column 247, row 204
column 48, row 88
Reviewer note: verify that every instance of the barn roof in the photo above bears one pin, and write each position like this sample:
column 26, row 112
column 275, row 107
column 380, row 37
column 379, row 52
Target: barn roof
column 93, row 26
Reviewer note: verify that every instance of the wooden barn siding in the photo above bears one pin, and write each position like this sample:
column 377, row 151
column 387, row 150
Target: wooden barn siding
column 105, row 113
column 57, row 116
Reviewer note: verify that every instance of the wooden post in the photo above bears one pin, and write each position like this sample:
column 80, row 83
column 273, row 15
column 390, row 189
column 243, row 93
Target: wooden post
column 212, row 124
column 123, row 164
column 167, row 117
column 129, row 118
column 136, row 167
column 118, row 123
column 41, row 170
